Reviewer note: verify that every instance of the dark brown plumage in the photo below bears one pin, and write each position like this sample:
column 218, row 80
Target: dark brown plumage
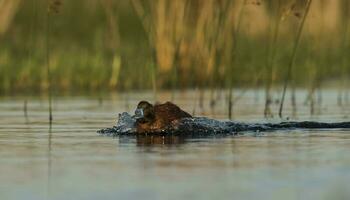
column 154, row 118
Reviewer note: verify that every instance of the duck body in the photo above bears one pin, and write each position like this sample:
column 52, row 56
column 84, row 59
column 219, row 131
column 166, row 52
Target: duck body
column 155, row 118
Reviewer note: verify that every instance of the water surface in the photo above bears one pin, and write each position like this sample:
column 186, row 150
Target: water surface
column 71, row 161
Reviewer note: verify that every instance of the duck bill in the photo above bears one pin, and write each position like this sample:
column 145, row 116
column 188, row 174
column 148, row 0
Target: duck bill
column 138, row 113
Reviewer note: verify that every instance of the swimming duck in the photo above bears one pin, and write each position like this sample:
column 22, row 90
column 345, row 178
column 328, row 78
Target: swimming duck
column 155, row 118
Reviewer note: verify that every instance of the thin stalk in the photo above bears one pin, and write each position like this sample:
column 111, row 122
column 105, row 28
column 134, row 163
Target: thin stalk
column 212, row 102
column 214, row 79
column 30, row 49
column 293, row 100
column 344, row 78
column 201, row 99
column 154, row 81
column 48, row 62
column 320, row 69
column 292, row 60
column 25, row 109
column 236, row 31
column 319, row 101
column 175, row 73
column 312, row 102
column 195, row 101
column 311, row 97
column 149, row 27
column 270, row 62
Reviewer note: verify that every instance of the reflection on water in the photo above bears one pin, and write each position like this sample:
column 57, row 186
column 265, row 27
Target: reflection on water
column 49, row 159
column 71, row 161
column 159, row 140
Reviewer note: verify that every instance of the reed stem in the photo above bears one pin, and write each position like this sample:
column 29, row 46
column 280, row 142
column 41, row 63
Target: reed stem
column 25, row 109
column 292, row 60
column 154, row 81
column 48, row 61
column 344, row 42
column 234, row 56
column 272, row 47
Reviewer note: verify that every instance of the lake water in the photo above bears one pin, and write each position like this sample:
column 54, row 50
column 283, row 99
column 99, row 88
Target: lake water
column 71, row 161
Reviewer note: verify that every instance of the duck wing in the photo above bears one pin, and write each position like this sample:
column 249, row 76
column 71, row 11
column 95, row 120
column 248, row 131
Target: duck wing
column 170, row 112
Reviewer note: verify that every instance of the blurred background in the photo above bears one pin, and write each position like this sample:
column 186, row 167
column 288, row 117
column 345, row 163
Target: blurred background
column 68, row 67
column 94, row 45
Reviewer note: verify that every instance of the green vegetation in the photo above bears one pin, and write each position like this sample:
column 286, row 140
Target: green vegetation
column 150, row 44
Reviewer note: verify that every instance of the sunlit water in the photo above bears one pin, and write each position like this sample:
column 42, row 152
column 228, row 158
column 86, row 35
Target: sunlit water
column 71, row 161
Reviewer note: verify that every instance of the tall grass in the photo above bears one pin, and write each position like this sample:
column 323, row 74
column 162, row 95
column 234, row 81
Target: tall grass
column 163, row 44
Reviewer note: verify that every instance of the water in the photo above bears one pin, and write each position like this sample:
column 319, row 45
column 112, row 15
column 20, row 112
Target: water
column 71, row 161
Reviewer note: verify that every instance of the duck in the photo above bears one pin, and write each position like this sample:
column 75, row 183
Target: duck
column 158, row 117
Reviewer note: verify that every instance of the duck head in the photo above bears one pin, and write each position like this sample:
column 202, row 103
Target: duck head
column 144, row 112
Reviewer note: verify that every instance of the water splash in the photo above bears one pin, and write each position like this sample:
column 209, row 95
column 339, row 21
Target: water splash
column 199, row 126
column 124, row 126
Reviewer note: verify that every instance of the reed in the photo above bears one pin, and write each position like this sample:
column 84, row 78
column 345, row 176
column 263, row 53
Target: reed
column 154, row 81
column 114, row 38
column 343, row 96
column 30, row 49
column 196, row 97
column 163, row 44
column 275, row 22
column 148, row 26
column 292, row 60
column 48, row 16
column 318, row 61
column 53, row 7
column 234, row 57
column 25, row 109
column 312, row 87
